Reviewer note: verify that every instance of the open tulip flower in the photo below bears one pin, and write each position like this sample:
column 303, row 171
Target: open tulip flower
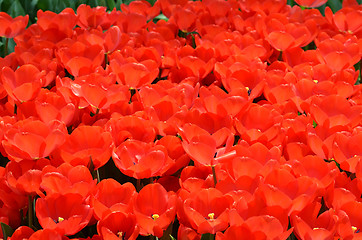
column 24, row 83
column 66, row 214
column 87, row 145
column 110, row 196
column 118, row 225
column 207, row 211
column 141, row 160
column 213, row 119
column 33, row 139
column 155, row 209
column 67, row 179
column 11, row 27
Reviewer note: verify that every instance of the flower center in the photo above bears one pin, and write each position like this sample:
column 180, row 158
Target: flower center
column 211, row 216
column 120, row 235
column 60, row 219
column 155, row 216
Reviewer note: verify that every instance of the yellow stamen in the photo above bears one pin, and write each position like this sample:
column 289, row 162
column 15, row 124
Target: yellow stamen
column 155, row 216
column 60, row 219
column 211, row 215
column 247, row 89
column 120, row 235
column 315, row 81
column 354, row 229
column 316, row 228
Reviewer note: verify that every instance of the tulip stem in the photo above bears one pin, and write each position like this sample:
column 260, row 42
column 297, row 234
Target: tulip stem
column 30, row 211
column 214, row 175
column 98, row 177
column 138, row 185
column 6, row 47
column 105, row 60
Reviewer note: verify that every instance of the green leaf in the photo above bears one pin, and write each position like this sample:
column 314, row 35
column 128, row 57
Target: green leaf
column 160, row 17
column 43, row 4
column 152, row 2
column 111, row 4
column 118, row 4
column 5, row 5
column 7, row 230
column 16, row 9
column 207, row 236
column 1, row 2
column 335, row 5
column 127, row 1
column 172, row 238
column 291, row 2
column 314, row 124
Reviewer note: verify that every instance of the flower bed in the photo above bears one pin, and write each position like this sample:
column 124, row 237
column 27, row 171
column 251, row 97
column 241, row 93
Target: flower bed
column 213, row 120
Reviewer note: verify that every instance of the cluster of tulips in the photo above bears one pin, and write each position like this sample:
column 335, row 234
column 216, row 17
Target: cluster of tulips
column 236, row 119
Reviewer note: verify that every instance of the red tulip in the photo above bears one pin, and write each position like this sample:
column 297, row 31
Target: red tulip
column 339, row 52
column 175, row 152
column 86, row 144
column 25, row 177
column 67, row 179
column 204, row 148
column 141, row 7
column 59, row 25
column 99, row 91
column 131, row 22
column 198, row 144
column 66, row 214
column 141, row 160
column 257, row 227
column 346, row 151
column 118, row 225
column 186, row 233
column 130, row 127
column 93, row 17
column 207, row 210
column 311, row 3
column 134, row 74
column 308, row 225
column 283, row 34
column 259, row 123
column 348, row 19
column 301, row 190
column 21, row 233
column 47, row 234
column 11, row 27
column 24, row 83
column 32, row 139
column 52, row 105
column 155, row 209
column 216, row 101
column 80, row 58
column 315, row 167
column 111, row 196
column 193, row 179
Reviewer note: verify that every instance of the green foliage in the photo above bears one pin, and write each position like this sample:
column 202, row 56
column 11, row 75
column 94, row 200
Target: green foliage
column 207, row 236
column 7, row 230
column 22, row 7
column 30, row 7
